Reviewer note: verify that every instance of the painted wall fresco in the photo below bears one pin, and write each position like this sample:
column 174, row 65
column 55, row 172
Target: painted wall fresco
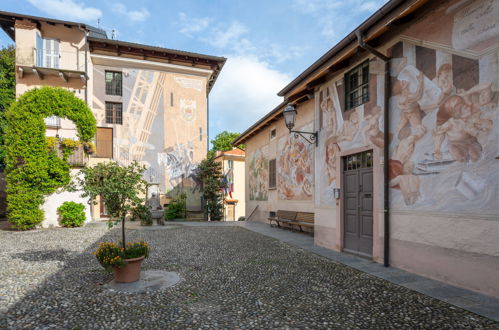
column 164, row 119
column 344, row 130
column 444, row 116
column 259, row 175
column 295, row 180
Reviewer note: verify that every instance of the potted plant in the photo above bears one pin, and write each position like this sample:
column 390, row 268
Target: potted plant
column 120, row 188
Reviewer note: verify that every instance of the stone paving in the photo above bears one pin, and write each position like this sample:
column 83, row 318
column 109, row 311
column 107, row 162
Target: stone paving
column 231, row 278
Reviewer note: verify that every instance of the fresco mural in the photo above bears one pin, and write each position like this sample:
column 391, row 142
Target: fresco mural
column 162, row 127
column 259, row 175
column 444, row 114
column 295, row 167
column 344, row 130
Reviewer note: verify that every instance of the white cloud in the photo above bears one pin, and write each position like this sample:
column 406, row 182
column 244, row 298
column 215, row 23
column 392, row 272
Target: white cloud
column 190, row 26
column 244, row 92
column 67, row 9
column 133, row 15
column 370, row 6
column 232, row 34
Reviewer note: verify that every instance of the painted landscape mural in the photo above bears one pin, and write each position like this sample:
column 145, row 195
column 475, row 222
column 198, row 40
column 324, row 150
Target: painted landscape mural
column 444, row 114
column 259, row 175
column 164, row 117
column 295, row 179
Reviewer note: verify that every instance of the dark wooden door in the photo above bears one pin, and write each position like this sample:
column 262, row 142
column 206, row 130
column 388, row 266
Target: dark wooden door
column 358, row 203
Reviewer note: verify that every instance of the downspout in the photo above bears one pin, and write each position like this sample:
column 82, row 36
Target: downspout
column 85, row 33
column 386, row 142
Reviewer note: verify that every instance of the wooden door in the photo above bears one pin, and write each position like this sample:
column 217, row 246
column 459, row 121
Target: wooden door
column 358, row 203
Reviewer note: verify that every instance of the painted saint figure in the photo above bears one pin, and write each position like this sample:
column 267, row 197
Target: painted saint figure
column 408, row 103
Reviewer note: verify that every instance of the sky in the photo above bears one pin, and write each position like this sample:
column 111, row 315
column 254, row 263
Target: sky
column 267, row 43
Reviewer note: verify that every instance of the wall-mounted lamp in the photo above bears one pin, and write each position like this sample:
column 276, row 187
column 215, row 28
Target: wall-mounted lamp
column 289, row 114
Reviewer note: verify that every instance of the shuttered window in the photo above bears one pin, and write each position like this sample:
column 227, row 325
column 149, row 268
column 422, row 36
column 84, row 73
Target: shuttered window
column 272, row 174
column 357, row 86
column 104, row 142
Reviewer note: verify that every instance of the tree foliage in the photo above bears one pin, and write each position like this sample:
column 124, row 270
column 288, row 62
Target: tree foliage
column 120, row 187
column 209, row 172
column 33, row 169
column 7, row 91
column 222, row 141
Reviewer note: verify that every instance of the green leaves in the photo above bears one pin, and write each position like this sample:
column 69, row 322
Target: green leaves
column 33, row 170
column 222, row 141
column 210, row 173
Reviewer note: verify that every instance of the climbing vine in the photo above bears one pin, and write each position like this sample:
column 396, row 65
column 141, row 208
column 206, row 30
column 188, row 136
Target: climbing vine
column 32, row 165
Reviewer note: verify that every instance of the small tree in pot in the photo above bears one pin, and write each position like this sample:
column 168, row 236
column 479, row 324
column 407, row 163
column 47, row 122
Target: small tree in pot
column 119, row 187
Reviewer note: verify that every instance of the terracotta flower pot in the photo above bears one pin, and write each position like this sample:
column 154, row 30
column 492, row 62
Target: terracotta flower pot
column 129, row 273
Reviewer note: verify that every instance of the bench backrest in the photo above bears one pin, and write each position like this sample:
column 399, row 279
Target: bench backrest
column 305, row 217
column 288, row 215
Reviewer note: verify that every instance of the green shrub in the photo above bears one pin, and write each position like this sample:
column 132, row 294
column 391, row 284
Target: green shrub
column 33, row 169
column 71, row 214
column 241, row 219
column 177, row 209
column 143, row 214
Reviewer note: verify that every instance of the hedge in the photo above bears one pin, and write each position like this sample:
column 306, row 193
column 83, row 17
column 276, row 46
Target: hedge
column 33, row 168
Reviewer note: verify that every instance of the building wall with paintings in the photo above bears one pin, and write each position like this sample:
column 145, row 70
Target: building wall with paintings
column 294, row 168
column 444, row 167
column 164, row 125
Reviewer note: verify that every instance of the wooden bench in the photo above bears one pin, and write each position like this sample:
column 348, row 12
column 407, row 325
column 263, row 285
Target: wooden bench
column 293, row 218
column 283, row 217
column 304, row 219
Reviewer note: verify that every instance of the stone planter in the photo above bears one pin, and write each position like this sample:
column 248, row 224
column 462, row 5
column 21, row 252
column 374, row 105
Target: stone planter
column 129, row 273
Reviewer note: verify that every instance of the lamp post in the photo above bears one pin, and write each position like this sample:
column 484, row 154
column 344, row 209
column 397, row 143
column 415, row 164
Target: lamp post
column 289, row 114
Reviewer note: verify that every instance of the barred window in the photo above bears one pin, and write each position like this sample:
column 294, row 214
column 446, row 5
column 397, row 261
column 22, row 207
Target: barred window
column 357, row 86
column 272, row 174
column 114, row 83
column 114, row 113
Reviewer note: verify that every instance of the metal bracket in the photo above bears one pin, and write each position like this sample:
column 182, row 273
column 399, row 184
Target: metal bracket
column 312, row 136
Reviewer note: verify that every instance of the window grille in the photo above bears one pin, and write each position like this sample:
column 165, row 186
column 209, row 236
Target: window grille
column 357, row 86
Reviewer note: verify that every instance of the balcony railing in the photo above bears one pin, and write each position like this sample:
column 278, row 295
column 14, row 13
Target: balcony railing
column 53, row 121
column 64, row 60
column 77, row 159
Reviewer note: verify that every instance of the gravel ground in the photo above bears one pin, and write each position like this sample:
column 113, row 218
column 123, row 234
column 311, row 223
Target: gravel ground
column 232, row 278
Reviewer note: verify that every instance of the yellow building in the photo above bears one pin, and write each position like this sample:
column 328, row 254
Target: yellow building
column 151, row 103
column 232, row 162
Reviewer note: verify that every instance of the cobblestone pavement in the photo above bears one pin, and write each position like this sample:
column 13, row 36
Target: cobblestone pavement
column 232, row 278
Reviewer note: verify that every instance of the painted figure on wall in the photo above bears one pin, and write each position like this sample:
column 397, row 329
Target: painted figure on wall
column 445, row 159
column 295, row 178
column 259, row 175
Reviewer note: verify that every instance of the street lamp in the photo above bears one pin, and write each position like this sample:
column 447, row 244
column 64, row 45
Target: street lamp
column 289, row 114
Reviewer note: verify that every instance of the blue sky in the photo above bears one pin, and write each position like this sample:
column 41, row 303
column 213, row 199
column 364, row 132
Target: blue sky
column 267, row 42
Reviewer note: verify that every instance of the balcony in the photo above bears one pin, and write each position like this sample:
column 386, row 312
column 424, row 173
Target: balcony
column 78, row 157
column 53, row 121
column 64, row 64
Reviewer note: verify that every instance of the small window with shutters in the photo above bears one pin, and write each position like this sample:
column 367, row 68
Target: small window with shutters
column 104, row 142
column 272, row 174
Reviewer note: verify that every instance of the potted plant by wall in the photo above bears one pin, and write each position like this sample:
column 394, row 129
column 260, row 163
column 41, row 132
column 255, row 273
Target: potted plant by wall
column 119, row 187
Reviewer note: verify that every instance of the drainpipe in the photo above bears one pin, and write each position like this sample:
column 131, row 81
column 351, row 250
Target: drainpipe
column 85, row 32
column 386, row 140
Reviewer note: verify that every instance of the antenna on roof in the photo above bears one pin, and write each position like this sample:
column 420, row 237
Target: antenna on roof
column 113, row 34
column 98, row 23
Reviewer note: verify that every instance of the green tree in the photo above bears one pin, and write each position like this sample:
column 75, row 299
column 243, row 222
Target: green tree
column 7, row 90
column 209, row 172
column 33, row 169
column 120, row 188
column 222, row 141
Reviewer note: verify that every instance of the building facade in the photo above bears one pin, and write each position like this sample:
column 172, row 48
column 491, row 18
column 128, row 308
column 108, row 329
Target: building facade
column 233, row 168
column 151, row 104
column 406, row 169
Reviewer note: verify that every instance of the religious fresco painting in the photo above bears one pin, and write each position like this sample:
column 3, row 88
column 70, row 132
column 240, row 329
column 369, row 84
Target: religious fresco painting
column 161, row 129
column 444, row 114
column 344, row 130
column 295, row 180
column 259, row 175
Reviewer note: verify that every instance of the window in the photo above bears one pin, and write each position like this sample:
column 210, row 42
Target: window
column 104, row 142
column 47, row 52
column 272, row 174
column 114, row 113
column 114, row 83
column 272, row 134
column 231, row 163
column 357, row 86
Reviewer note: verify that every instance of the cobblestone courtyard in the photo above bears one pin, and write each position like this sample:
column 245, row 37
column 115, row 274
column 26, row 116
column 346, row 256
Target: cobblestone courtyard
column 232, row 278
